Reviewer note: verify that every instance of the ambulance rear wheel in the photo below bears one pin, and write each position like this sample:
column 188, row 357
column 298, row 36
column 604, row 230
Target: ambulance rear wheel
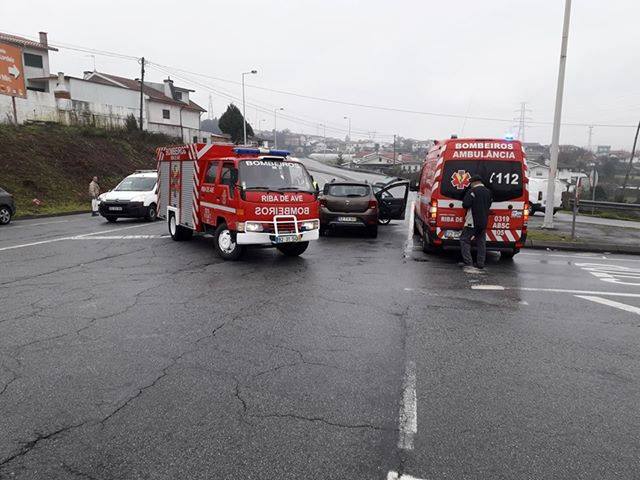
column 427, row 246
column 225, row 243
column 177, row 232
column 510, row 254
column 293, row 249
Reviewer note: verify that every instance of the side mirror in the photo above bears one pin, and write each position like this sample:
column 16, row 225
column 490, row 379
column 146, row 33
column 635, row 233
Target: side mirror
column 325, row 190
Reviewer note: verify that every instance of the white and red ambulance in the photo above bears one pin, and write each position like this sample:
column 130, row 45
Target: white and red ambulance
column 243, row 196
column 446, row 174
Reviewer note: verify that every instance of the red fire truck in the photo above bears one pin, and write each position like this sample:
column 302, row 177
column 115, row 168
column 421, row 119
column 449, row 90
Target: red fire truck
column 243, row 196
column 446, row 174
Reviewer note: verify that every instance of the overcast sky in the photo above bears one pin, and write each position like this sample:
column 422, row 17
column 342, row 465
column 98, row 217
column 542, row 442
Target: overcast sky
column 465, row 57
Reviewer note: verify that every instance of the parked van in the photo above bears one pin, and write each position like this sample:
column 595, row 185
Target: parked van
column 135, row 197
column 538, row 195
column 445, row 176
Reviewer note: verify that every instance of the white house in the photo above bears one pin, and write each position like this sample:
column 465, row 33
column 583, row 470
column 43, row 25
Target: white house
column 35, row 59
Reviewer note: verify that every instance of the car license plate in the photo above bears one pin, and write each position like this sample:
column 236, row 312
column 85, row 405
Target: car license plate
column 452, row 234
column 286, row 238
column 115, row 209
column 347, row 219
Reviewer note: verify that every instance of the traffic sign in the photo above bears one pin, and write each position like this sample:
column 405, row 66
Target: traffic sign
column 11, row 71
column 593, row 178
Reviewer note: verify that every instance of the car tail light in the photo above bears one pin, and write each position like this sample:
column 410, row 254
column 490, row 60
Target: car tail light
column 373, row 204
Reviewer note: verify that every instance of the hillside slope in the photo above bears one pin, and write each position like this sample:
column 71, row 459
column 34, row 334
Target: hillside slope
column 54, row 163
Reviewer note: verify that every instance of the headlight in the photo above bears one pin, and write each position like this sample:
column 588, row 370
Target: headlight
column 101, row 198
column 310, row 225
column 253, row 227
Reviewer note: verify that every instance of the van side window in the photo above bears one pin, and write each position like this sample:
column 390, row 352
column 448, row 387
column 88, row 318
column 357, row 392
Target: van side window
column 210, row 176
column 229, row 177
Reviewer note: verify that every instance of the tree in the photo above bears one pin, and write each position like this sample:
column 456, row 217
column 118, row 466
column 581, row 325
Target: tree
column 231, row 123
column 210, row 126
column 130, row 123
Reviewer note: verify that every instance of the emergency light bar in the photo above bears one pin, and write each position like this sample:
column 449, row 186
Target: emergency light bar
column 261, row 151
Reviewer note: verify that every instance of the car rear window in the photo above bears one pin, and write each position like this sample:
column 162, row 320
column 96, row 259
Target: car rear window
column 348, row 190
column 503, row 178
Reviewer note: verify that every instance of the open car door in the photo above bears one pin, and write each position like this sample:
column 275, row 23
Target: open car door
column 392, row 199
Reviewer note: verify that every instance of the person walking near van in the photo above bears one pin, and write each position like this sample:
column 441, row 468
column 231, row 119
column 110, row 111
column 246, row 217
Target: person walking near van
column 94, row 192
column 477, row 201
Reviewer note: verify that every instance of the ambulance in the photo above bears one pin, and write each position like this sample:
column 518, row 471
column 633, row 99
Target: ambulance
column 242, row 196
column 445, row 176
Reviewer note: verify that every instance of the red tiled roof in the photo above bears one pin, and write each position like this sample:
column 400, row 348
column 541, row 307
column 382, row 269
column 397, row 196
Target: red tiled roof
column 151, row 92
column 24, row 42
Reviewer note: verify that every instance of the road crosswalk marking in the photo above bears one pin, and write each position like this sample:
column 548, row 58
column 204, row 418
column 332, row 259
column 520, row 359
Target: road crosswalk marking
column 611, row 303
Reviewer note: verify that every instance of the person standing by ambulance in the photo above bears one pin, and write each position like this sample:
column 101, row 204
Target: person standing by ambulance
column 477, row 200
column 94, row 192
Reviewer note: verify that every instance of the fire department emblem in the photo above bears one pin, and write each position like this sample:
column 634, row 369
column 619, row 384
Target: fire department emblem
column 461, row 179
column 174, row 179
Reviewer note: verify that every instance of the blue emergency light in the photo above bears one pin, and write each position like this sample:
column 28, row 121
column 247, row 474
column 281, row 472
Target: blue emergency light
column 261, row 151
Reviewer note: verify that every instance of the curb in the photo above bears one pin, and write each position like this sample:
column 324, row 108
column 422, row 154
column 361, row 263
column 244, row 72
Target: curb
column 583, row 247
column 48, row 215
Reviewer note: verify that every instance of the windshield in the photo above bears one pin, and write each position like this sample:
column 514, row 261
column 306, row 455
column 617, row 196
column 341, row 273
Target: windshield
column 136, row 184
column 278, row 175
column 347, row 190
column 503, row 178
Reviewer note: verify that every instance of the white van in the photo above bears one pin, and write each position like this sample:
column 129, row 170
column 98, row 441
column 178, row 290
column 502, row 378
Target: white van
column 135, row 197
column 538, row 195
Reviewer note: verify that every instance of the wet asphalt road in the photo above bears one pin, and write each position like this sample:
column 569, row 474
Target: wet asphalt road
column 125, row 355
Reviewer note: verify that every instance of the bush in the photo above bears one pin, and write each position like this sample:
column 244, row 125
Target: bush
column 130, row 123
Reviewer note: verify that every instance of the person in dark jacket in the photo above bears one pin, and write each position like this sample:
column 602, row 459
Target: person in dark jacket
column 477, row 200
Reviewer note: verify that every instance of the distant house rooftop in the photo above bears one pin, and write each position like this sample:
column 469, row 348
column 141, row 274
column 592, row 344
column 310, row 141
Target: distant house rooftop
column 43, row 44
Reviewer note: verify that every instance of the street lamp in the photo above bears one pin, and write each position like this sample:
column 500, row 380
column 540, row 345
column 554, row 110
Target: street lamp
column 349, row 130
column 244, row 106
column 275, row 126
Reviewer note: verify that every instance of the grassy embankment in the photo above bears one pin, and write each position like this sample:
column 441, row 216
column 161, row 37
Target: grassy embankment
column 55, row 163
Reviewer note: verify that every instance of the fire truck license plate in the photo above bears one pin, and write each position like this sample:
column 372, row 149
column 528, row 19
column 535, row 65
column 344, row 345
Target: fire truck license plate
column 115, row 209
column 286, row 238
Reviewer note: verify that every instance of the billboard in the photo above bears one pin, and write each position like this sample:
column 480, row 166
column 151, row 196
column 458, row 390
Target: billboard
column 11, row 71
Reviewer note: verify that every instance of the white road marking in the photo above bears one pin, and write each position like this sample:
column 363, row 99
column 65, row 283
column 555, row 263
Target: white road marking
column 555, row 290
column 408, row 247
column 612, row 273
column 394, row 476
column 409, row 408
column 611, row 303
column 588, row 257
column 523, row 302
column 38, row 224
column 120, row 237
column 60, row 239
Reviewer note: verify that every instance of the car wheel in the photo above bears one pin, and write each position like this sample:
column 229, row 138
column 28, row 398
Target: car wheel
column 152, row 213
column 177, row 232
column 510, row 254
column 373, row 231
column 5, row 215
column 293, row 249
column 384, row 221
column 225, row 243
column 111, row 219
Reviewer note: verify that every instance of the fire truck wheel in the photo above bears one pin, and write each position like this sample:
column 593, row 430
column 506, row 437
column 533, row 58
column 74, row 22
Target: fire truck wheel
column 111, row 219
column 177, row 232
column 225, row 243
column 293, row 249
column 152, row 213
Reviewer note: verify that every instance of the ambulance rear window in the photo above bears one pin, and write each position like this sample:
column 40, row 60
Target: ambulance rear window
column 503, row 178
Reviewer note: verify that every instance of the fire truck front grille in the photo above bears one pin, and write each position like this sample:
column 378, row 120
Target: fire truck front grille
column 283, row 227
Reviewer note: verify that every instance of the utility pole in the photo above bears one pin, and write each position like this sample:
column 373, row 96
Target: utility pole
column 557, row 117
column 244, row 106
column 349, row 128
column 394, row 149
column 141, row 90
column 522, row 121
column 590, row 127
column 325, row 142
column 210, row 116
column 275, row 126
column 633, row 152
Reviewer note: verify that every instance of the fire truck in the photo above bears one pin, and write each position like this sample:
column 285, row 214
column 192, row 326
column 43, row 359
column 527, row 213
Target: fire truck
column 242, row 196
column 445, row 176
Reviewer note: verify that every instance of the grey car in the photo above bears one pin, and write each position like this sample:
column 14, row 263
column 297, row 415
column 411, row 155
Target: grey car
column 7, row 207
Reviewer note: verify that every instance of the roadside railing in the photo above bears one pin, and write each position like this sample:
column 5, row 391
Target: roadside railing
column 590, row 206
